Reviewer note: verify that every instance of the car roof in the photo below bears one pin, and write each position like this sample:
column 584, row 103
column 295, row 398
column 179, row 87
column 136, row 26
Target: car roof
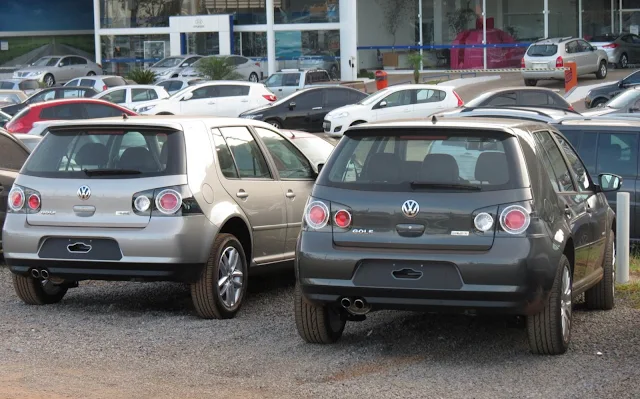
column 227, row 82
column 96, row 77
column 602, row 120
column 136, row 86
column 502, row 124
column 554, row 40
column 521, row 88
column 298, row 134
column 74, row 100
column 542, row 111
column 11, row 91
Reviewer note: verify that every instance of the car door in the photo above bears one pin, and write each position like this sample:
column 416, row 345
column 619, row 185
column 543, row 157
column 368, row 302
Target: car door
column 296, row 179
column 232, row 100
column 574, row 202
column 80, row 67
column 596, row 204
column 116, row 96
column 12, row 157
column 428, row 101
column 572, row 54
column 248, row 179
column 397, row 105
column 334, row 98
column 634, row 44
column 203, row 102
column 300, row 109
column 65, row 71
column 140, row 95
column 588, row 56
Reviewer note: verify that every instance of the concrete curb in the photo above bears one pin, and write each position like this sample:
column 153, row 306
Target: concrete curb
column 456, row 83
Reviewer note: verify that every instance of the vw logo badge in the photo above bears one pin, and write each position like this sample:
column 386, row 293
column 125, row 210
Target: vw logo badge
column 410, row 208
column 84, row 192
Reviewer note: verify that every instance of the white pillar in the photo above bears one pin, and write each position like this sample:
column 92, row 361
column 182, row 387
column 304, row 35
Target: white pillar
column 348, row 39
column 96, row 29
column 271, row 40
column 484, row 31
column 613, row 20
column 175, row 44
column 622, row 237
column 580, row 10
column 620, row 17
column 421, row 43
column 546, row 19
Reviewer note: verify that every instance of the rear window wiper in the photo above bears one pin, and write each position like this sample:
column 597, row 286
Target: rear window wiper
column 110, row 172
column 425, row 184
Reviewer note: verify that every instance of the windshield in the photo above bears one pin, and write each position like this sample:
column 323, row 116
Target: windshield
column 108, row 153
column 168, row 62
column 477, row 102
column 283, row 79
column 46, row 62
column 181, row 92
column 624, row 99
column 314, row 148
column 371, row 98
column 542, row 50
column 412, row 159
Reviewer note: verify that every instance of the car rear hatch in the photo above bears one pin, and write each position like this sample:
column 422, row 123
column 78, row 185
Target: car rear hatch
column 88, row 177
column 421, row 188
column 541, row 56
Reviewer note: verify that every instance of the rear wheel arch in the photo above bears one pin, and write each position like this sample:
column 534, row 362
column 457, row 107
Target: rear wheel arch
column 570, row 252
column 237, row 227
column 358, row 122
column 598, row 100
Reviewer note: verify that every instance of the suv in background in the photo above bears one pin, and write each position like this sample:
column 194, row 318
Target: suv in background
column 288, row 81
column 99, row 83
column 198, row 200
column 466, row 215
column 611, row 145
column 599, row 96
column 548, row 54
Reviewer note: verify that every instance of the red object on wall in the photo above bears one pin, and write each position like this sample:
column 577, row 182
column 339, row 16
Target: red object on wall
column 473, row 58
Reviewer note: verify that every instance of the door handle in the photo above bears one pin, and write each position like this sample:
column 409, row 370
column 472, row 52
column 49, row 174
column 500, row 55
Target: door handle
column 242, row 194
column 290, row 194
column 588, row 208
column 211, row 103
column 316, row 108
column 244, row 101
column 567, row 210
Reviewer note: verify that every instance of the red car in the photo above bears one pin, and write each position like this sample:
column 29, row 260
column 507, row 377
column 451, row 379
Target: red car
column 73, row 108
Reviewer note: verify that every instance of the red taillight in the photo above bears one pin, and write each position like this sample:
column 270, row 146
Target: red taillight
column 169, row 201
column 105, row 87
column 15, row 126
column 270, row 97
column 16, row 199
column 571, row 108
column 99, row 65
column 34, row 202
column 460, row 102
column 522, row 64
column 612, row 45
column 257, row 64
column 342, row 218
column 559, row 62
column 317, row 215
column 515, row 219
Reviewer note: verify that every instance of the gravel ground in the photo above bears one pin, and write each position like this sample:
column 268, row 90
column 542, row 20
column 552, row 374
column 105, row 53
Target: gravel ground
column 133, row 340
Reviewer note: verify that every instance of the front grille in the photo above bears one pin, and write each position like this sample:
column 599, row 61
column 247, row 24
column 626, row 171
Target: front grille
column 326, row 126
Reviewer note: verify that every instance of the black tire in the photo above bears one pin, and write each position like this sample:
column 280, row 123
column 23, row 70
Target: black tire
column 545, row 328
column 623, row 62
column 598, row 102
column 602, row 295
column 317, row 324
column 37, row 292
column 206, row 293
column 254, row 77
column 274, row 123
column 602, row 70
column 530, row 82
column 91, row 73
column 49, row 80
column 164, row 113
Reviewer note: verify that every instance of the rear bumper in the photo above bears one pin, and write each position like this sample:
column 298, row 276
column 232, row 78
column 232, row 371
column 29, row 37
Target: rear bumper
column 513, row 277
column 167, row 249
column 542, row 75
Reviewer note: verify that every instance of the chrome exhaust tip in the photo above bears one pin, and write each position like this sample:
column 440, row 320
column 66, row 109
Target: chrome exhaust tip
column 44, row 274
column 346, row 303
column 35, row 273
column 359, row 304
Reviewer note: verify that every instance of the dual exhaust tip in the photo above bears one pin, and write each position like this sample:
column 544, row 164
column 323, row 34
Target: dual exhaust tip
column 355, row 306
column 40, row 274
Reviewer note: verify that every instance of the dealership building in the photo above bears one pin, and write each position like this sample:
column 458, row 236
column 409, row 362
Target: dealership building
column 351, row 34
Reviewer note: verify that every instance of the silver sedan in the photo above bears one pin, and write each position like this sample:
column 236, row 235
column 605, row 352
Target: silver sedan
column 55, row 70
column 622, row 49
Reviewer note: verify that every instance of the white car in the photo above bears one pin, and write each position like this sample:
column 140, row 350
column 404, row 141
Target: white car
column 132, row 95
column 395, row 102
column 215, row 98
column 174, row 85
column 246, row 67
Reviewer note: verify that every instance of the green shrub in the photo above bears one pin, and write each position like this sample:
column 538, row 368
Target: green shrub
column 415, row 61
column 218, row 68
column 142, row 76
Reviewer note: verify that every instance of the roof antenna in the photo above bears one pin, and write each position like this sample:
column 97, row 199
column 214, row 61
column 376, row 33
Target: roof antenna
column 125, row 116
column 434, row 119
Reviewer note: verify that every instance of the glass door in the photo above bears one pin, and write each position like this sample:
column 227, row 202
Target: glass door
column 203, row 43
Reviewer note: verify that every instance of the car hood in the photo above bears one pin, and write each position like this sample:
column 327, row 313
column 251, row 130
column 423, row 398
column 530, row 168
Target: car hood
column 603, row 89
column 599, row 111
column 189, row 71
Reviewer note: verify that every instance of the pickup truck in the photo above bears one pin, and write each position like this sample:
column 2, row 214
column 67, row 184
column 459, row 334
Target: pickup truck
column 288, row 81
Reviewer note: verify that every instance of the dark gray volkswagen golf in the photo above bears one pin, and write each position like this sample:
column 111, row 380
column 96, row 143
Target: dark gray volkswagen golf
column 458, row 215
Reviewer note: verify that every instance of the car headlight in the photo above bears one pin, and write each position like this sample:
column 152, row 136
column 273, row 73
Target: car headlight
column 338, row 115
column 36, row 73
column 146, row 108
column 259, row 116
column 165, row 72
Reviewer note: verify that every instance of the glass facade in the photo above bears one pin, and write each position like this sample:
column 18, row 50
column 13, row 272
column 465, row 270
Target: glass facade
column 306, row 11
column 308, row 49
column 250, row 44
column 596, row 18
column 120, row 54
column 154, row 13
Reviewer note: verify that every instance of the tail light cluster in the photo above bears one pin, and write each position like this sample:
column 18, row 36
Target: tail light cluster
column 610, row 45
column 317, row 215
column 165, row 201
column 513, row 219
column 105, row 88
column 522, row 64
column 23, row 200
column 15, row 126
column 270, row 97
column 559, row 62
column 460, row 102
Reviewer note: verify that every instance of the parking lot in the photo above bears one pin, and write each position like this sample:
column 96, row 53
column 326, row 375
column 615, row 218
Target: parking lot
column 124, row 340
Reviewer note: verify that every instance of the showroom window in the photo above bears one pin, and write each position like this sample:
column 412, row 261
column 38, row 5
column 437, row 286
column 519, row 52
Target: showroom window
column 309, row 49
column 250, row 44
column 306, row 11
column 120, row 54
column 563, row 18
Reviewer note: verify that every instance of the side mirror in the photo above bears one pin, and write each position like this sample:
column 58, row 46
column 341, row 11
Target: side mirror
column 621, row 84
column 382, row 104
column 187, row 96
column 609, row 182
column 292, row 105
column 320, row 166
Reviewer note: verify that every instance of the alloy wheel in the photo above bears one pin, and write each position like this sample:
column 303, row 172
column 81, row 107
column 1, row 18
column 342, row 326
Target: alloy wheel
column 230, row 277
column 603, row 69
column 48, row 80
column 624, row 62
column 253, row 78
column 565, row 304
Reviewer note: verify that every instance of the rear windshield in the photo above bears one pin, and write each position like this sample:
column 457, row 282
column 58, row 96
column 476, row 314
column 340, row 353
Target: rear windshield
column 542, row 50
column 108, row 153
column 424, row 159
column 114, row 81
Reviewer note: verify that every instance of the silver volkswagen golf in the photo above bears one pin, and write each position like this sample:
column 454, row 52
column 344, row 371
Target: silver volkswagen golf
column 196, row 200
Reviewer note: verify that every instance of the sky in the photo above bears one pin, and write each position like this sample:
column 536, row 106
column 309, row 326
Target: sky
column 43, row 15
